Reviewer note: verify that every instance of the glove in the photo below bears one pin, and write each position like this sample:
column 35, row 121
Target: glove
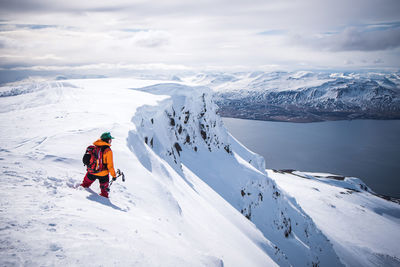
column 114, row 178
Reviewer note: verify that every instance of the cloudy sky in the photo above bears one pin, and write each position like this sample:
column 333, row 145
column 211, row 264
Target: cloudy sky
column 201, row 34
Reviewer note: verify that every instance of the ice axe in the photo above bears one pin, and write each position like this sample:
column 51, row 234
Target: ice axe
column 119, row 173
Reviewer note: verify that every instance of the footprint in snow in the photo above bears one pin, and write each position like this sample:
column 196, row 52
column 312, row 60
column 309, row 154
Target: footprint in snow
column 74, row 185
column 55, row 247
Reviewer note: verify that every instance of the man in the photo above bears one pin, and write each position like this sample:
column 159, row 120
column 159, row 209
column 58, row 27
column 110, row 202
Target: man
column 107, row 166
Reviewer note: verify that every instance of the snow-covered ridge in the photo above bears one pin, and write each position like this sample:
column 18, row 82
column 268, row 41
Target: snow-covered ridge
column 185, row 131
column 180, row 121
column 186, row 119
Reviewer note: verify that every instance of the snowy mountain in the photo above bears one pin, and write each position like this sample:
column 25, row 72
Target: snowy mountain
column 305, row 96
column 193, row 196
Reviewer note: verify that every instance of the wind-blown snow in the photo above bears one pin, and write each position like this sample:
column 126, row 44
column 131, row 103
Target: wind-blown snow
column 189, row 186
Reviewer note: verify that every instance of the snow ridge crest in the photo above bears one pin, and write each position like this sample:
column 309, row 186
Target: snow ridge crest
column 187, row 120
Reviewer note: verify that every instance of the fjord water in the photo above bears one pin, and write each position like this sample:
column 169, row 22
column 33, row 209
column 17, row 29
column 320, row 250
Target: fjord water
column 367, row 149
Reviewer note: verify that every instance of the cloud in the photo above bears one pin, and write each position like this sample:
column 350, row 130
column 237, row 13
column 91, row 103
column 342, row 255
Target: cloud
column 201, row 33
column 383, row 26
column 4, row 27
column 151, row 39
column 273, row 32
column 352, row 39
column 100, row 66
column 9, row 43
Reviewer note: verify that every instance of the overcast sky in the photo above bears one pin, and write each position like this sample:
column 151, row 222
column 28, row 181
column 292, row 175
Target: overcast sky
column 201, row 34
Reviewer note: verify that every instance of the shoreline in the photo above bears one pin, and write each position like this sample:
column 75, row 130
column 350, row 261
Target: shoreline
column 303, row 120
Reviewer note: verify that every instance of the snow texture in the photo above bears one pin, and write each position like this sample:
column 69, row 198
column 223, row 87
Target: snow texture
column 193, row 196
column 363, row 228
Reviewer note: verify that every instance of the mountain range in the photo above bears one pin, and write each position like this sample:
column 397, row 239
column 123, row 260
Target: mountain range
column 304, row 96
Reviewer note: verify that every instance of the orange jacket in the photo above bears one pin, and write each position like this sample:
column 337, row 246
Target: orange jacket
column 107, row 159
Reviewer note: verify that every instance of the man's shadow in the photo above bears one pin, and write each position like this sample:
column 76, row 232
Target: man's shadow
column 102, row 200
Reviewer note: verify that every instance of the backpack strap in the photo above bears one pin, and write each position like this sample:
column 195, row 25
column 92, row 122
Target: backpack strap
column 103, row 151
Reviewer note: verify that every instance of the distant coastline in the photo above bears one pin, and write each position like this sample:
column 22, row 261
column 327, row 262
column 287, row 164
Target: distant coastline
column 253, row 112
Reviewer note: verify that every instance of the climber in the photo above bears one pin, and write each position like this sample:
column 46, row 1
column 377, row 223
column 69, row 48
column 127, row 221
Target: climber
column 99, row 162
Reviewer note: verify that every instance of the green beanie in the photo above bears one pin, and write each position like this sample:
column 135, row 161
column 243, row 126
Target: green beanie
column 106, row 136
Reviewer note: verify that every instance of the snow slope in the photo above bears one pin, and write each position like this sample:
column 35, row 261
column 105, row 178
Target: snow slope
column 363, row 228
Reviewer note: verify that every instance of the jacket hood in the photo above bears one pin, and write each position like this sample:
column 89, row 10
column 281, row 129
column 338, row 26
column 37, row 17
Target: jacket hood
column 101, row 143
